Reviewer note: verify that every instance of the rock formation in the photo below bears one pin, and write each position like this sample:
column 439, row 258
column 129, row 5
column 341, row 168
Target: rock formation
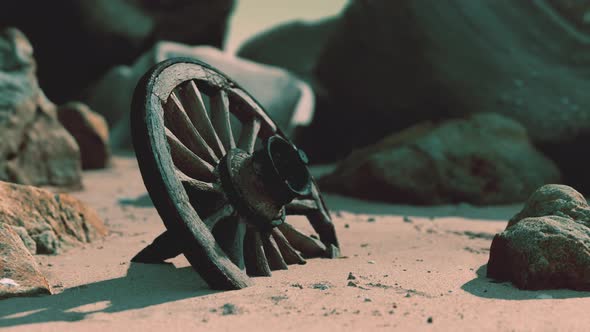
column 34, row 148
column 391, row 64
column 76, row 42
column 483, row 159
column 52, row 221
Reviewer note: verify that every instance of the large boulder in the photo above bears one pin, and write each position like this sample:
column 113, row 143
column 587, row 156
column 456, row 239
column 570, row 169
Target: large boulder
column 52, row 221
column 288, row 100
column 34, row 148
column 91, row 132
column 78, row 41
column 397, row 63
column 295, row 46
column 483, row 159
column 546, row 245
column 19, row 275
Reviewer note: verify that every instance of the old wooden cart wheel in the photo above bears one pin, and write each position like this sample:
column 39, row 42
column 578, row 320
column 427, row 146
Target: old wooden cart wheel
column 222, row 198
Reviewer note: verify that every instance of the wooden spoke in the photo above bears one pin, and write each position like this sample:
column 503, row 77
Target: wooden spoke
column 273, row 254
column 188, row 162
column 254, row 255
column 308, row 246
column 230, row 234
column 224, row 212
column 249, row 134
column 196, row 185
column 191, row 98
column 301, row 207
column 221, row 120
column 289, row 253
column 176, row 119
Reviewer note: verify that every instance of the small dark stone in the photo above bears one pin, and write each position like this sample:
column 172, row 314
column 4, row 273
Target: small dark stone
column 229, row 309
column 429, row 320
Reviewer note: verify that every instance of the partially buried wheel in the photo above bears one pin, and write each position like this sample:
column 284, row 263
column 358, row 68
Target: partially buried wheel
column 222, row 196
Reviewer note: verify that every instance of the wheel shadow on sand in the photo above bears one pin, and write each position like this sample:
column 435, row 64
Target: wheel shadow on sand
column 488, row 288
column 143, row 286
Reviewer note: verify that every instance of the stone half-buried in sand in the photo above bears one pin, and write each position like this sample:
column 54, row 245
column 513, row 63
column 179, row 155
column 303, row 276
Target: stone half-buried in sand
column 19, row 275
column 547, row 244
column 48, row 222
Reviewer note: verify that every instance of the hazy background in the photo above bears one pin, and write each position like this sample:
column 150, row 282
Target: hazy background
column 253, row 16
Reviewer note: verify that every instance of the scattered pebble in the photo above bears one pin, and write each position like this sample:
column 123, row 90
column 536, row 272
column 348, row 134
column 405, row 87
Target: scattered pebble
column 407, row 219
column 371, row 262
column 346, row 226
column 429, row 320
column 351, row 284
column 371, row 219
column 364, row 245
column 368, row 299
column 297, row 285
column 229, row 309
column 351, row 276
column 279, row 298
column 320, row 286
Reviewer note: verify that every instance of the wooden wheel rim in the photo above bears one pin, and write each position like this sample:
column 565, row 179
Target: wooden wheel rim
column 159, row 171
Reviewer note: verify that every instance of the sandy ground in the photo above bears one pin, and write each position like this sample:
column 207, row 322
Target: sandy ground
column 425, row 271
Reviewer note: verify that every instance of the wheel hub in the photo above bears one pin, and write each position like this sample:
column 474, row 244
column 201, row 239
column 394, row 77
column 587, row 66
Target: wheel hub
column 259, row 185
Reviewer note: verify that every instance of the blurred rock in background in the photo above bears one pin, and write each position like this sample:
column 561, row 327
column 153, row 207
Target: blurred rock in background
column 484, row 159
column 34, row 147
column 90, row 131
column 76, row 42
column 287, row 99
column 294, row 46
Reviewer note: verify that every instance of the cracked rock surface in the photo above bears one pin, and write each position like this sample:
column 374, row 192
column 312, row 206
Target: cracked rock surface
column 52, row 221
column 547, row 244
column 34, row 148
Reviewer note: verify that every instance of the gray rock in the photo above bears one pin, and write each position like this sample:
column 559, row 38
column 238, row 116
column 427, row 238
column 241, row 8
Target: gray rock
column 19, row 275
column 90, row 131
column 53, row 221
column 289, row 101
column 34, row 147
column 547, row 244
column 483, row 159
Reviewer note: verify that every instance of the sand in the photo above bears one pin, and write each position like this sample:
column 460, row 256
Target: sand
column 425, row 271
